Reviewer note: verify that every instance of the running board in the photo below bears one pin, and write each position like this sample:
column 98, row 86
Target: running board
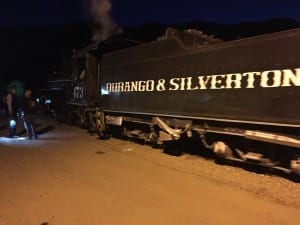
column 272, row 138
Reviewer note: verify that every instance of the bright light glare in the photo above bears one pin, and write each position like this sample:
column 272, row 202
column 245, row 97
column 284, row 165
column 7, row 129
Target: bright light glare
column 104, row 92
column 12, row 123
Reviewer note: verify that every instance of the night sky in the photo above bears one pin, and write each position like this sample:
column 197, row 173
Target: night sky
column 39, row 35
column 135, row 12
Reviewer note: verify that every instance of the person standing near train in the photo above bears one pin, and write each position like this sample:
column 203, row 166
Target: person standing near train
column 12, row 108
column 29, row 117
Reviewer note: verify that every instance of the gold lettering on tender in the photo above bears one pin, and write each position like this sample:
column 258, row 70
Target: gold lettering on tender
column 142, row 85
column 266, row 79
column 120, row 86
column 271, row 78
column 182, row 84
column 150, row 85
column 250, row 78
column 113, row 87
column 216, row 82
column 161, row 85
column 290, row 78
column 189, row 84
column 203, row 80
column 134, row 86
column 234, row 80
column 127, row 87
column 108, row 87
column 174, row 86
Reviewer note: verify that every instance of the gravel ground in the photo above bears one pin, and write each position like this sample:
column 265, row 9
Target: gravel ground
column 69, row 177
column 266, row 185
column 273, row 187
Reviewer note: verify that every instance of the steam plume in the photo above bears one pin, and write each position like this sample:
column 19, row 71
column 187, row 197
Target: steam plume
column 105, row 26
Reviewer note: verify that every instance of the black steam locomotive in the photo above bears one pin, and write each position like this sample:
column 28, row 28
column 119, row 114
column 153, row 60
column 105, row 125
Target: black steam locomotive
column 239, row 98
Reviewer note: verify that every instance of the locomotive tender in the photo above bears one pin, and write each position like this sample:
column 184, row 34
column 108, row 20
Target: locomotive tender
column 240, row 98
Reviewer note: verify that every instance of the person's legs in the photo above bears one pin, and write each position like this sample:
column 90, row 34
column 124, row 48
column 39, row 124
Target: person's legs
column 27, row 126
column 32, row 126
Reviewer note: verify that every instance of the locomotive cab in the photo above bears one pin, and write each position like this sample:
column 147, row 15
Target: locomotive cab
column 86, row 66
column 85, row 83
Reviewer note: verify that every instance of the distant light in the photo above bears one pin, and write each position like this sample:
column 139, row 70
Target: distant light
column 48, row 101
column 38, row 100
column 104, row 92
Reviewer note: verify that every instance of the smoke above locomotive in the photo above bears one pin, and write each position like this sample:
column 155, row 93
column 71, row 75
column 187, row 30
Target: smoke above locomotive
column 104, row 25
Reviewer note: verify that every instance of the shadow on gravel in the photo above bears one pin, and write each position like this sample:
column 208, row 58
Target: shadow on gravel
column 196, row 148
column 99, row 152
column 191, row 146
column 45, row 129
column 260, row 169
column 39, row 131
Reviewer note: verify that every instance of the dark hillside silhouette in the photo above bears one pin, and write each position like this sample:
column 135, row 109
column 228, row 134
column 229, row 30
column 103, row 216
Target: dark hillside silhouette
column 32, row 54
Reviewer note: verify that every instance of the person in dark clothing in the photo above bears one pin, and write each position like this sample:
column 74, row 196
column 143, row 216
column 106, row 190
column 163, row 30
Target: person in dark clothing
column 29, row 116
column 12, row 108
